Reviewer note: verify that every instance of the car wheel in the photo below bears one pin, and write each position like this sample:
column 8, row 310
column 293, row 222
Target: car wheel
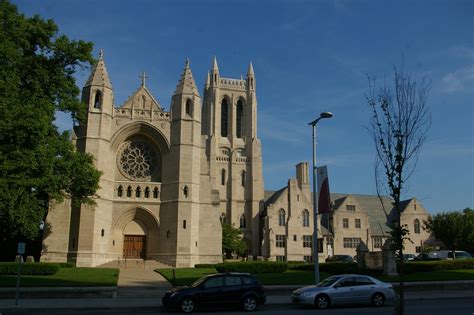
column 322, row 301
column 187, row 305
column 378, row 299
column 249, row 303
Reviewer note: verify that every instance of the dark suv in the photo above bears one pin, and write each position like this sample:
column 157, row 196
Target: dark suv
column 217, row 289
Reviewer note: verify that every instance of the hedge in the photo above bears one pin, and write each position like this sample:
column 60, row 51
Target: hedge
column 333, row 268
column 438, row 265
column 32, row 269
column 204, row 266
column 253, row 267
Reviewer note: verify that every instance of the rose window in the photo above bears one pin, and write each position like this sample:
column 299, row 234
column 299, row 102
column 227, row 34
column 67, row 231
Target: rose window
column 138, row 160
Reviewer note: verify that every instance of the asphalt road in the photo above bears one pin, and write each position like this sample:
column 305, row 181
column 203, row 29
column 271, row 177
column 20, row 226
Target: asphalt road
column 422, row 307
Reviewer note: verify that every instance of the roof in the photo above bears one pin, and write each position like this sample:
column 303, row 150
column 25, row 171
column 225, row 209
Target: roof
column 272, row 196
column 99, row 75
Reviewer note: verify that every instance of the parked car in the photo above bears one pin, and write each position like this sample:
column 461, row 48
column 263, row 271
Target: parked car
column 345, row 289
column 217, row 289
column 427, row 257
column 448, row 254
column 340, row 258
column 408, row 257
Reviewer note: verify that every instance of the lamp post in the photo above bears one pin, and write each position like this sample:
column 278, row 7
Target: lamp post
column 315, row 201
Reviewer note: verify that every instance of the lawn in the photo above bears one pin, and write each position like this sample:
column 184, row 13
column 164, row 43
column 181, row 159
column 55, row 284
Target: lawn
column 186, row 276
column 67, row 277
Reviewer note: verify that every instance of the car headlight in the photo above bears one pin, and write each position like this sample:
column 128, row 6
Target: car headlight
column 306, row 294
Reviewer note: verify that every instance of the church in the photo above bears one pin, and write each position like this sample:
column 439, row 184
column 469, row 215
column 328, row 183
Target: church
column 169, row 179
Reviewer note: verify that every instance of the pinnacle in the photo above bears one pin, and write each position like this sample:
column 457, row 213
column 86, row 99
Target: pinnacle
column 186, row 84
column 99, row 75
column 250, row 70
column 214, row 64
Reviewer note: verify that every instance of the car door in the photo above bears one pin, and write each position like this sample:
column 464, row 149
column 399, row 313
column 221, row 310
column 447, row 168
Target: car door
column 364, row 289
column 344, row 291
column 211, row 291
column 233, row 289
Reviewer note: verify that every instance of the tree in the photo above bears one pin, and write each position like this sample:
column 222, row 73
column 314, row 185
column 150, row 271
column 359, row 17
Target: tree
column 455, row 229
column 232, row 241
column 399, row 123
column 37, row 163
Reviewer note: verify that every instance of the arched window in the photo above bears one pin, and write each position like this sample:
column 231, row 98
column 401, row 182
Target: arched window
column 281, row 217
column 243, row 179
column 222, row 218
column 416, row 224
column 305, row 218
column 223, row 177
column 240, row 111
column 129, row 191
column 143, row 101
column 97, row 100
column 147, row 192
column 224, row 117
column 156, row 192
column 138, row 192
column 185, row 191
column 243, row 222
column 189, row 108
column 120, row 191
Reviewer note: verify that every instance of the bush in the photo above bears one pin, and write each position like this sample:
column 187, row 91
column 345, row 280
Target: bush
column 32, row 269
column 333, row 268
column 205, row 266
column 438, row 265
column 252, row 267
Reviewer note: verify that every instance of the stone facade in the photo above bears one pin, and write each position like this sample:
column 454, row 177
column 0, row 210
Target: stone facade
column 353, row 219
column 167, row 177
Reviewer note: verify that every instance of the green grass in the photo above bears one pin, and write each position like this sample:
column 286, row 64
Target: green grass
column 65, row 277
column 445, row 275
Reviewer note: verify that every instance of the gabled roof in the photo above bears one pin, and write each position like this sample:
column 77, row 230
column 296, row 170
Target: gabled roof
column 99, row 75
column 135, row 98
column 272, row 196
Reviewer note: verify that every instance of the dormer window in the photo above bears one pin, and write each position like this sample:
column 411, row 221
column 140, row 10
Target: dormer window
column 98, row 100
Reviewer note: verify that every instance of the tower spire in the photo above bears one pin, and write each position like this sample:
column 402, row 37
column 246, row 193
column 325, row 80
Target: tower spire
column 214, row 65
column 186, row 84
column 250, row 70
column 99, row 75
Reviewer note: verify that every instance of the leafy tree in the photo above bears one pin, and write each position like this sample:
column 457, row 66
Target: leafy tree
column 232, row 241
column 37, row 163
column 455, row 229
column 399, row 123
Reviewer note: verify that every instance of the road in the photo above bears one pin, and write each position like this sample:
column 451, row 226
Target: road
column 421, row 307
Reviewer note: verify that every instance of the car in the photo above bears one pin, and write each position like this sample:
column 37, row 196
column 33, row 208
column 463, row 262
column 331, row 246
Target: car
column 408, row 257
column 448, row 254
column 217, row 289
column 345, row 289
column 340, row 258
column 427, row 257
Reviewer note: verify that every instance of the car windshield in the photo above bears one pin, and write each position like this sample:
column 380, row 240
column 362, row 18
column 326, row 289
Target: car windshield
column 327, row 282
column 462, row 255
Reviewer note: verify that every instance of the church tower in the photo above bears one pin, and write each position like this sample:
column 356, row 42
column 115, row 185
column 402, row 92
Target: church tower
column 230, row 122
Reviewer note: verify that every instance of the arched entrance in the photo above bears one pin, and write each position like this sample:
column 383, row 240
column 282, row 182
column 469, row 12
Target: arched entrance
column 138, row 230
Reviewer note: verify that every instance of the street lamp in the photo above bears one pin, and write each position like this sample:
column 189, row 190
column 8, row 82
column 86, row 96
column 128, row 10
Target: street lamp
column 315, row 204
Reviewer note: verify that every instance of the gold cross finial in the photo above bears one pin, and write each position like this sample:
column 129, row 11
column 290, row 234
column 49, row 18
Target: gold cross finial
column 144, row 77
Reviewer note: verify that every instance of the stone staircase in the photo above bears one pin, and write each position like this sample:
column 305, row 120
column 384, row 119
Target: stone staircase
column 134, row 264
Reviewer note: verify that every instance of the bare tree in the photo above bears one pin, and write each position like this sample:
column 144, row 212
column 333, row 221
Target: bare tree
column 399, row 124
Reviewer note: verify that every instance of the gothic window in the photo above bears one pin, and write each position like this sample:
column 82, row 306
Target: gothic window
column 416, row 224
column 305, row 218
column 243, row 221
column 138, row 160
column 222, row 218
column 244, row 175
column 143, row 101
column 240, row 110
column 138, row 192
column 185, row 191
column 120, row 191
column 224, row 117
column 147, row 192
column 156, row 192
column 223, row 175
column 189, row 108
column 97, row 100
column 129, row 191
column 281, row 217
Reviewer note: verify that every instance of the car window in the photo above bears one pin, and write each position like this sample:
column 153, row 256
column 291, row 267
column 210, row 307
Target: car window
column 214, row 282
column 328, row 282
column 232, row 281
column 347, row 282
column 363, row 281
column 450, row 255
column 247, row 280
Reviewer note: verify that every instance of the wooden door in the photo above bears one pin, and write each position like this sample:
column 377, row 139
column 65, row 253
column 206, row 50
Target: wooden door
column 134, row 246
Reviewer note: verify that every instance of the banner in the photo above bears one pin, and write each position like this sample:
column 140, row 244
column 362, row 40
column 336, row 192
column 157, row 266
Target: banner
column 324, row 199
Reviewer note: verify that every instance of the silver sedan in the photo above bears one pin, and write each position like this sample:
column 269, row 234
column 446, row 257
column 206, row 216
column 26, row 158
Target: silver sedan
column 345, row 289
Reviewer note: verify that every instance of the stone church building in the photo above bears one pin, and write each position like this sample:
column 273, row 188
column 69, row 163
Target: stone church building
column 170, row 178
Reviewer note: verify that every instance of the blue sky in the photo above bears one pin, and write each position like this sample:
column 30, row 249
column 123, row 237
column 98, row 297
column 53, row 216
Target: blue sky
column 309, row 57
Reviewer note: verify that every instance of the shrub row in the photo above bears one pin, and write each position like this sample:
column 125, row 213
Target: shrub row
column 334, row 268
column 205, row 266
column 438, row 265
column 252, row 267
column 32, row 269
